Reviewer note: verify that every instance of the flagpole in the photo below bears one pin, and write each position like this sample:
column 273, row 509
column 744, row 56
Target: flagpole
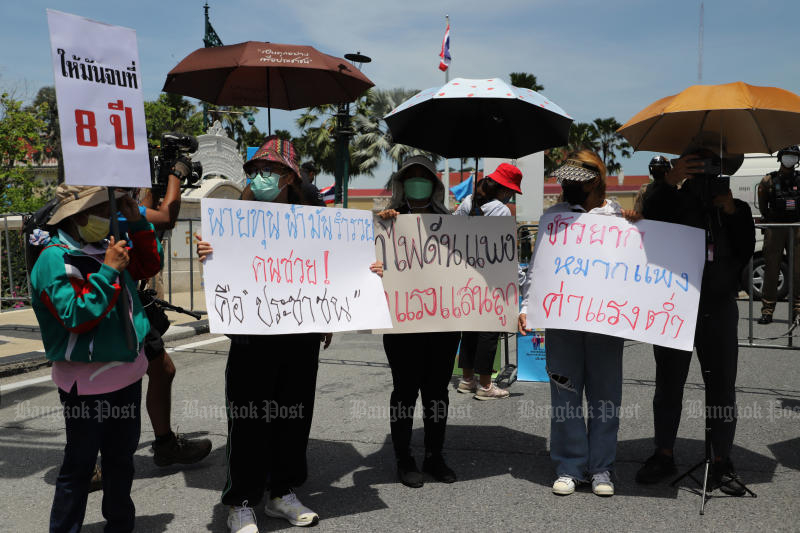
column 446, row 173
column 447, row 72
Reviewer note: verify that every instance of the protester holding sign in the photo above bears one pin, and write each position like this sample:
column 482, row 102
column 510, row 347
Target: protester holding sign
column 478, row 348
column 76, row 282
column 420, row 362
column 270, row 380
column 579, row 361
column 703, row 201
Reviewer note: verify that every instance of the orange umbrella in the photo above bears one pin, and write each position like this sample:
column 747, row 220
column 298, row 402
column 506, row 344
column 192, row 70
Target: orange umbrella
column 749, row 118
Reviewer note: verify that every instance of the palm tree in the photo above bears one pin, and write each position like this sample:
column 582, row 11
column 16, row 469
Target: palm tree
column 373, row 140
column 526, row 81
column 582, row 136
column 610, row 143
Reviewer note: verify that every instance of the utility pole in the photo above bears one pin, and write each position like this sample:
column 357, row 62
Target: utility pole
column 700, row 47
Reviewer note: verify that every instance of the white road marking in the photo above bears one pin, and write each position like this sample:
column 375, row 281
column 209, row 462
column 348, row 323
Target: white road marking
column 35, row 381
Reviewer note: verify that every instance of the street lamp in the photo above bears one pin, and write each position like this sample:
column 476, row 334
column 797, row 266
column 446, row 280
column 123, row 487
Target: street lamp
column 343, row 135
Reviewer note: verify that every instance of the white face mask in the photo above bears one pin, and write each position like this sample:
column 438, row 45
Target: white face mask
column 789, row 161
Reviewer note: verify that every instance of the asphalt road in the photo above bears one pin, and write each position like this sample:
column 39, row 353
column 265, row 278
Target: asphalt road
column 499, row 450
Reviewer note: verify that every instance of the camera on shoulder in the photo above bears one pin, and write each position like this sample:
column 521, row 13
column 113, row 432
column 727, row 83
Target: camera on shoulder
column 173, row 158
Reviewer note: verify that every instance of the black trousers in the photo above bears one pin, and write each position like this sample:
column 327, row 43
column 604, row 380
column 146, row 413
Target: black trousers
column 420, row 363
column 109, row 423
column 270, row 384
column 718, row 352
column 478, row 350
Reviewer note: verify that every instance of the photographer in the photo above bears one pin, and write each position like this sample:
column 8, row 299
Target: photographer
column 658, row 167
column 779, row 202
column 168, row 447
column 704, row 201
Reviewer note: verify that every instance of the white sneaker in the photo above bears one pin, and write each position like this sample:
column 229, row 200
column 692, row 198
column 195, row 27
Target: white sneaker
column 492, row 392
column 242, row 519
column 602, row 485
column 564, row 486
column 467, row 386
column 290, row 508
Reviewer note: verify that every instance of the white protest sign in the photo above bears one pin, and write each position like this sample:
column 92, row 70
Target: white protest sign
column 100, row 104
column 449, row 273
column 603, row 274
column 282, row 268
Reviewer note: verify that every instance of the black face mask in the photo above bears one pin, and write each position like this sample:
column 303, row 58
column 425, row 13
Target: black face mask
column 574, row 193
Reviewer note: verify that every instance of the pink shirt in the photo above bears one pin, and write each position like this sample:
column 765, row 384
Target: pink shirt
column 98, row 378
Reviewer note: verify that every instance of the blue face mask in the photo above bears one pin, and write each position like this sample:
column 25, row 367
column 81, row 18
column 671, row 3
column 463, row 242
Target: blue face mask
column 265, row 185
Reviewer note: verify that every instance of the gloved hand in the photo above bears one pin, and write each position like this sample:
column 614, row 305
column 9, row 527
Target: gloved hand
column 182, row 168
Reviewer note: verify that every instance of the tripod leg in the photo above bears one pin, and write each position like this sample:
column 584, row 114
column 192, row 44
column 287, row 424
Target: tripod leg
column 704, row 495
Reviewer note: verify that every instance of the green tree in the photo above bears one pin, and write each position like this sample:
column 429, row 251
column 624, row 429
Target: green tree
column 317, row 137
column 51, row 136
column 171, row 112
column 611, row 144
column 373, row 140
column 235, row 120
column 582, row 136
column 526, row 81
column 21, row 133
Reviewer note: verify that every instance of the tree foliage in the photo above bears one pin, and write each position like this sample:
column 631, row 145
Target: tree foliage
column 21, row 132
column 525, row 80
column 373, row 139
column 171, row 112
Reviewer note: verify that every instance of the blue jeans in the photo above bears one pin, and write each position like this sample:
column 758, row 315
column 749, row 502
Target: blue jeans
column 583, row 441
column 108, row 423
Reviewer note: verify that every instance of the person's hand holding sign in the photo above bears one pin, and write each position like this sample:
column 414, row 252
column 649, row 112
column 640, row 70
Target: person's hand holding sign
column 522, row 324
column 116, row 255
column 203, row 248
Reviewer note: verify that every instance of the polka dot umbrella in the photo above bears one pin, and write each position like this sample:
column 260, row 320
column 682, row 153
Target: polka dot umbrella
column 479, row 118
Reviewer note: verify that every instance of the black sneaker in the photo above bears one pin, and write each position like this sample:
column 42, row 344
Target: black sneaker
column 181, row 450
column 765, row 318
column 656, row 469
column 436, row 467
column 725, row 478
column 408, row 473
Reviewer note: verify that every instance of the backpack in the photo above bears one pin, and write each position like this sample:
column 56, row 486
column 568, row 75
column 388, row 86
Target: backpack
column 37, row 233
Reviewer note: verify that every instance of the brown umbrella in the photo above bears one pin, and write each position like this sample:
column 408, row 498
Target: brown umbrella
column 281, row 76
column 749, row 118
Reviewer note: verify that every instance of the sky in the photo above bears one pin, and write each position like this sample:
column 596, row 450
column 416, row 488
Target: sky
column 595, row 58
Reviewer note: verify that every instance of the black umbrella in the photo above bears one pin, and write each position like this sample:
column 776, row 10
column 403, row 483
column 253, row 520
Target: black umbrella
column 479, row 118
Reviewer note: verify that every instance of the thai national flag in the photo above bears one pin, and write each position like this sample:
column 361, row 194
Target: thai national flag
column 328, row 194
column 445, row 53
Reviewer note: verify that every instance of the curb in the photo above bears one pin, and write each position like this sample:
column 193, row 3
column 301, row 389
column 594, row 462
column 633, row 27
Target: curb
column 27, row 362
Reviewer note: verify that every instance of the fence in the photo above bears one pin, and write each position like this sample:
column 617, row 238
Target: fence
column 180, row 265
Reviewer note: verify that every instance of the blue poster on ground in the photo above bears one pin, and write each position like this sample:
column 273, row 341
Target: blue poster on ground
column 530, row 356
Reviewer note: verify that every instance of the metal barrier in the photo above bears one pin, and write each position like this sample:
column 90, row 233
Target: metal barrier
column 12, row 266
column 790, row 298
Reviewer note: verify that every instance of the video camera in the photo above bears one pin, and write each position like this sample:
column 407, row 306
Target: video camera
column 174, row 146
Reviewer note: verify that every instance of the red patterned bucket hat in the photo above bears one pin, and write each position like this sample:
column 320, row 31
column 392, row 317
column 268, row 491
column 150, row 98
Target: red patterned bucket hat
column 275, row 149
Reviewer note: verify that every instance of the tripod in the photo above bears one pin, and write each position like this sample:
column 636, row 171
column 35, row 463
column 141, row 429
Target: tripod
column 707, row 462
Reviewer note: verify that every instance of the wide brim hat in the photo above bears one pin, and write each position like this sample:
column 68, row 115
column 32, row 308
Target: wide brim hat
column 73, row 199
column 277, row 150
column 576, row 170
column 508, row 176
